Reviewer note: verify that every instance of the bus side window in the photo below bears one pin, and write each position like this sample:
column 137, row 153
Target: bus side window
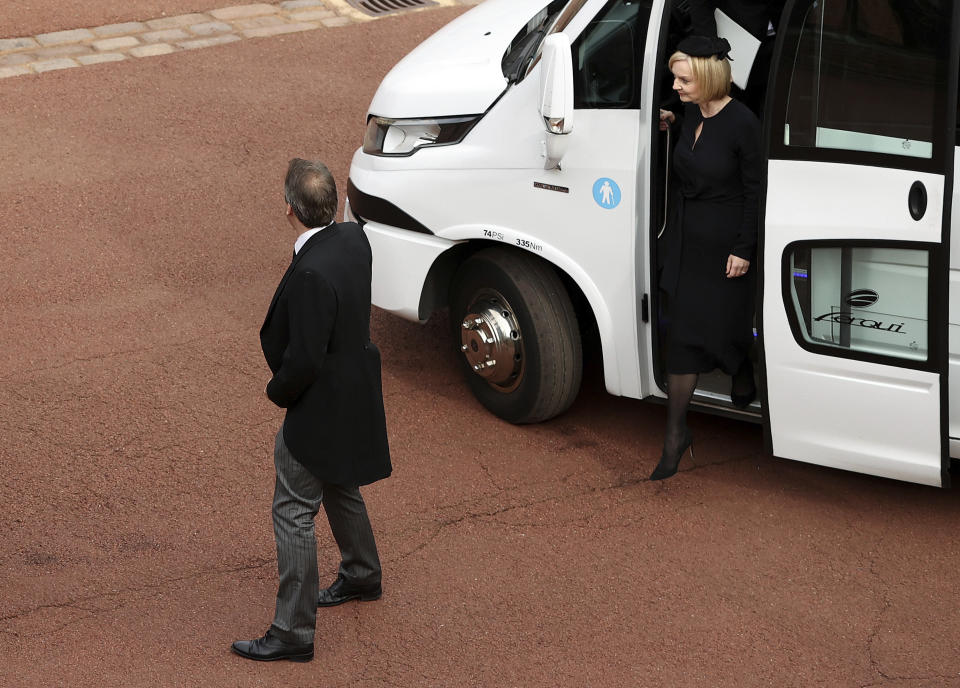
column 867, row 299
column 608, row 56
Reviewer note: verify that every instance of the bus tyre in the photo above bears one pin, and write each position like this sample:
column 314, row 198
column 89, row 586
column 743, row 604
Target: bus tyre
column 518, row 335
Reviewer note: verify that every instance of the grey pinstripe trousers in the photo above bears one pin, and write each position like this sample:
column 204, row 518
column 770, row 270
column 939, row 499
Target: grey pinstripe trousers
column 297, row 498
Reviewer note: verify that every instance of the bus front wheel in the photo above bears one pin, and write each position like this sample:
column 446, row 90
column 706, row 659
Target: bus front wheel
column 517, row 332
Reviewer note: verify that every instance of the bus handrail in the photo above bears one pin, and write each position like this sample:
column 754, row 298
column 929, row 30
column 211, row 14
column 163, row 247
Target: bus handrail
column 666, row 189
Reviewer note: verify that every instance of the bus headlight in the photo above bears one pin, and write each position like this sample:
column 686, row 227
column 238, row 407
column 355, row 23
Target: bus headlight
column 387, row 136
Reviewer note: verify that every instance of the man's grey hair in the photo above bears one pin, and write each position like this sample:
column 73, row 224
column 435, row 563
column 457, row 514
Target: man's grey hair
column 311, row 191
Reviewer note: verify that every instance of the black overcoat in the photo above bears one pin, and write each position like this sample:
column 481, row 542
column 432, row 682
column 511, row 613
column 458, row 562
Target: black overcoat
column 718, row 179
column 326, row 371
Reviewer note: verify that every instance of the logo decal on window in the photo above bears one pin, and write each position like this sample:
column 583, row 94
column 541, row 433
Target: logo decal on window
column 862, row 298
column 856, row 321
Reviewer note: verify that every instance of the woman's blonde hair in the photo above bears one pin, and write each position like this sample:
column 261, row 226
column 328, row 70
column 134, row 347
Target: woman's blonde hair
column 712, row 74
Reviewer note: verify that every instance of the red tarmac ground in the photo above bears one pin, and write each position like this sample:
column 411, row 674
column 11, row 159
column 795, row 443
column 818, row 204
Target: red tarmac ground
column 141, row 217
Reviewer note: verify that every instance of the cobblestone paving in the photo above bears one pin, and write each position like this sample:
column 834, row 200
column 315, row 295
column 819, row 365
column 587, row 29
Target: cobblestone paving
column 164, row 35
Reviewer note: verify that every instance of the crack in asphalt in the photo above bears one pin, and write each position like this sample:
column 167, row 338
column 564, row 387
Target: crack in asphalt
column 875, row 662
column 878, row 621
column 132, row 594
column 486, row 471
column 619, row 485
column 442, row 524
column 115, row 354
column 583, row 521
column 92, row 606
column 704, row 466
column 911, row 679
column 419, row 548
column 74, row 361
column 872, row 638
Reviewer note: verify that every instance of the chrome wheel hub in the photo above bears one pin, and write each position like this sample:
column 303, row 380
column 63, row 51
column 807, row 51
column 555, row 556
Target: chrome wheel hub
column 490, row 341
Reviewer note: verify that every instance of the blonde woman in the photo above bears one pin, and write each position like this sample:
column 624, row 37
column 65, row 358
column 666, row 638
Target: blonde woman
column 707, row 251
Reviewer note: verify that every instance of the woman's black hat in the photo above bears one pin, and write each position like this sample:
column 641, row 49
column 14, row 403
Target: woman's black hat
column 705, row 46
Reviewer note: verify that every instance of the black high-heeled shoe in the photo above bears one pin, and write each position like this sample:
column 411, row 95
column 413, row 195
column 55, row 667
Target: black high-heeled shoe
column 743, row 380
column 669, row 465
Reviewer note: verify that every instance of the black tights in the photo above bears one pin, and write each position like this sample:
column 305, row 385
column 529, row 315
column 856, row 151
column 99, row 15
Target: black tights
column 680, row 388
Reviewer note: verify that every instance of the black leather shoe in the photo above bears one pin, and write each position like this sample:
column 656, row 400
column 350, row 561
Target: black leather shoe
column 670, row 461
column 270, row 648
column 341, row 592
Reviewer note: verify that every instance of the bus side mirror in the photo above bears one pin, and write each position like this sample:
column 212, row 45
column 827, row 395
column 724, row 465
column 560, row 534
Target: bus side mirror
column 556, row 97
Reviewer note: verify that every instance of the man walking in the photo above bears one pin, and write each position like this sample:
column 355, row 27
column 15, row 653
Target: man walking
column 326, row 374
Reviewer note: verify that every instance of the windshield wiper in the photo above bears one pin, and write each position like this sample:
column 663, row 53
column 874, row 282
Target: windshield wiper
column 524, row 52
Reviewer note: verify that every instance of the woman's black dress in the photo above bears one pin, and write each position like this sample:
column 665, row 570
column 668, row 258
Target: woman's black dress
column 710, row 316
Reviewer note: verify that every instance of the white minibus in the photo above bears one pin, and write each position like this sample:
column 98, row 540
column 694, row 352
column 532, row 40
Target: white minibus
column 513, row 171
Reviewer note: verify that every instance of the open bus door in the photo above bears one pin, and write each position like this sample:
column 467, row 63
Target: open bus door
column 861, row 115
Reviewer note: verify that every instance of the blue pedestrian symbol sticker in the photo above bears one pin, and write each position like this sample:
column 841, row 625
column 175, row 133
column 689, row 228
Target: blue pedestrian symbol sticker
column 606, row 193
